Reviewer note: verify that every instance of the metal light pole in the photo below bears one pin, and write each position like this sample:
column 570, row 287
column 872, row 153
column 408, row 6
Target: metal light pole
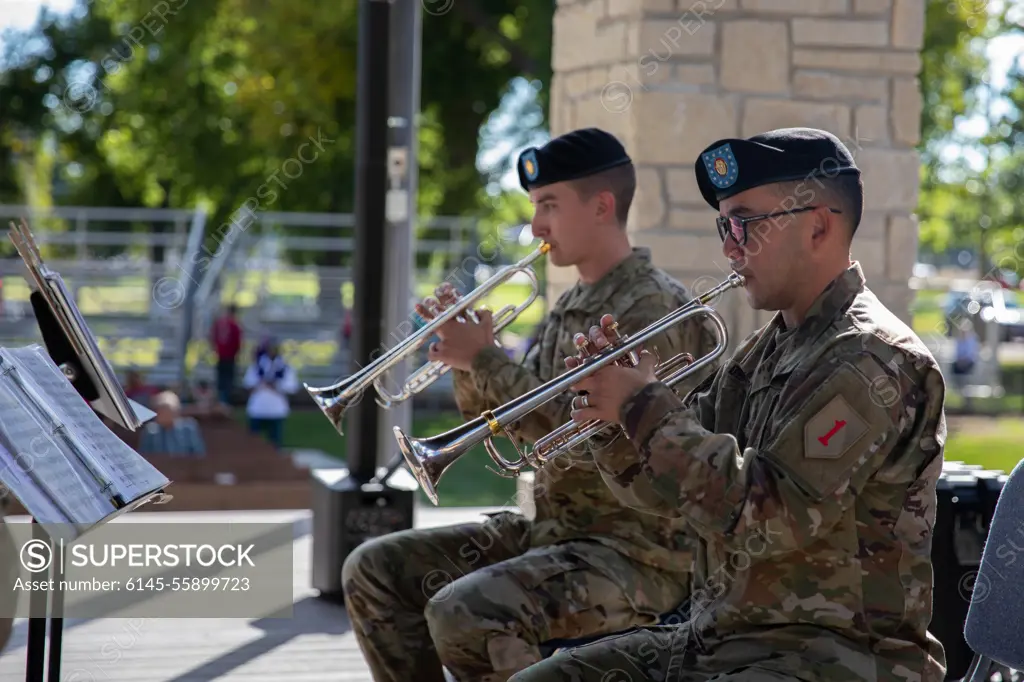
column 348, row 505
column 404, row 107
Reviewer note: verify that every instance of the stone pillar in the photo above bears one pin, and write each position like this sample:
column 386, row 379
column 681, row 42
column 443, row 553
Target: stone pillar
column 671, row 76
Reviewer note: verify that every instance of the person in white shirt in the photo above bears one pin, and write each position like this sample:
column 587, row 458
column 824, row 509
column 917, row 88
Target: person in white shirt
column 270, row 380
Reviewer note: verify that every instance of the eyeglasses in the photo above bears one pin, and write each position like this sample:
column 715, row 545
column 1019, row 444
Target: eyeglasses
column 736, row 226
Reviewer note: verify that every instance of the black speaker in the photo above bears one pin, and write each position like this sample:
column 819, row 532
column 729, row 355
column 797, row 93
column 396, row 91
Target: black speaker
column 967, row 496
column 347, row 513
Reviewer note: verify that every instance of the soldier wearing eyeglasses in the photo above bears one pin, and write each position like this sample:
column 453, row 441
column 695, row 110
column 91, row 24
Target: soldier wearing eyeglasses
column 806, row 465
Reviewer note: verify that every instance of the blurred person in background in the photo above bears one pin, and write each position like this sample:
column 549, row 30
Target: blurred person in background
column 270, row 380
column 226, row 339
column 136, row 388
column 966, row 354
column 205, row 402
column 170, row 432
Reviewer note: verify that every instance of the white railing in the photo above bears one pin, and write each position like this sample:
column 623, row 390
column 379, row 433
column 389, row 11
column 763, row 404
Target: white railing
column 112, row 275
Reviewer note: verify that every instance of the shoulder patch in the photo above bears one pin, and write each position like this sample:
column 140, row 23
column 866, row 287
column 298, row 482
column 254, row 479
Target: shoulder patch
column 833, row 430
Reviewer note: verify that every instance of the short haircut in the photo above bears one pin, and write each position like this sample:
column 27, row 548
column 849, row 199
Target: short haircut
column 620, row 181
column 844, row 191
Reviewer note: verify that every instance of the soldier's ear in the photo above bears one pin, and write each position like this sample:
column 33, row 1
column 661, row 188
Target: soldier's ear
column 605, row 206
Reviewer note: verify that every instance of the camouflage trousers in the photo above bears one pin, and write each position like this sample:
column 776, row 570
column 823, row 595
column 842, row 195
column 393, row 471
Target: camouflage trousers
column 479, row 600
column 669, row 653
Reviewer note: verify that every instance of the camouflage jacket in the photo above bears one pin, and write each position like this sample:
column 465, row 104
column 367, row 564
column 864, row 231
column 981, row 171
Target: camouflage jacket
column 808, row 466
column 570, row 497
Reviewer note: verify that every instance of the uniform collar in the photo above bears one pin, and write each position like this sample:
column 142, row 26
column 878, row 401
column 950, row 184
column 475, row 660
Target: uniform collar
column 831, row 304
column 592, row 296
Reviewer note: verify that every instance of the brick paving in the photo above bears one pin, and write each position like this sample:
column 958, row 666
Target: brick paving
column 314, row 645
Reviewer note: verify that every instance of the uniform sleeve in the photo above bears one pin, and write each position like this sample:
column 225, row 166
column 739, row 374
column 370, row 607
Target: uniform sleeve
column 499, row 380
column 835, row 430
column 475, row 393
column 467, row 397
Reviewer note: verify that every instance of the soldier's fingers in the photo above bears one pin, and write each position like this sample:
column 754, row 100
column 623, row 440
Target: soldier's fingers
column 598, row 338
column 572, row 361
column 647, row 361
column 580, row 401
column 588, row 384
column 430, row 307
column 435, row 351
column 607, row 322
column 583, row 415
column 443, row 289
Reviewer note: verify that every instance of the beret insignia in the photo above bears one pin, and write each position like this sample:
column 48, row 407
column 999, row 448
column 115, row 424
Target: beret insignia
column 530, row 165
column 721, row 166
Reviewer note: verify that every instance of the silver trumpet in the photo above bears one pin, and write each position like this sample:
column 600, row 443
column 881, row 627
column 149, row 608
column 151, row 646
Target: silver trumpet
column 334, row 400
column 429, row 458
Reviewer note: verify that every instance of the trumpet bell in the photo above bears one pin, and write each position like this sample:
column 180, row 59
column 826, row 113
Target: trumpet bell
column 429, row 458
column 333, row 401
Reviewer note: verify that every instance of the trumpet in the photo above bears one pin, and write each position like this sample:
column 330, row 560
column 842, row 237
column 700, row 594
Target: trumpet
column 429, row 458
column 335, row 399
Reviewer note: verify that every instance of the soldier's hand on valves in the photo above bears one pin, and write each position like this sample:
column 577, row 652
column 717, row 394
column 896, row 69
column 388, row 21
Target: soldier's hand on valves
column 603, row 393
column 460, row 343
column 432, row 306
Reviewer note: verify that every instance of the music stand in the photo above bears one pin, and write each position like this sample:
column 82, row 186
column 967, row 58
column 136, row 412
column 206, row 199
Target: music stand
column 122, row 476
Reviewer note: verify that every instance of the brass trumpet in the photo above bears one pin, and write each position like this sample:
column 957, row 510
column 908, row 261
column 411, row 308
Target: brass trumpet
column 429, row 458
column 334, row 400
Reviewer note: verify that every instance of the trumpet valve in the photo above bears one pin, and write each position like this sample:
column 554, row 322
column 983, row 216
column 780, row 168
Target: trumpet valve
column 582, row 344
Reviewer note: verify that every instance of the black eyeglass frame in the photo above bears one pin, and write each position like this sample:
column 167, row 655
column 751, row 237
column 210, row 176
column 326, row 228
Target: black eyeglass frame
column 723, row 221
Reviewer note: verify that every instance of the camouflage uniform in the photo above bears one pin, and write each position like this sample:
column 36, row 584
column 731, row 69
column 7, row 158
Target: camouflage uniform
column 807, row 466
column 480, row 598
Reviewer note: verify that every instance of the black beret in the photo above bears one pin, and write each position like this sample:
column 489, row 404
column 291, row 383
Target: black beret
column 730, row 166
column 570, row 157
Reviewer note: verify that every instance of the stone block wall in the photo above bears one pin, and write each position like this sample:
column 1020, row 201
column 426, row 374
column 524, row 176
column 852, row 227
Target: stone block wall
column 671, row 76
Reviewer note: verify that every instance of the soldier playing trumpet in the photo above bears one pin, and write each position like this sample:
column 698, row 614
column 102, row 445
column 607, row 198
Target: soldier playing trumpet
column 807, row 465
column 481, row 598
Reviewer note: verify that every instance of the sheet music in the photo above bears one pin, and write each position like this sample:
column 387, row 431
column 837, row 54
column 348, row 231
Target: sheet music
column 53, row 472
column 18, row 481
column 131, row 475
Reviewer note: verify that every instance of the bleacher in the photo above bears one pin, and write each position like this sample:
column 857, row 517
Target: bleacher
column 240, row 471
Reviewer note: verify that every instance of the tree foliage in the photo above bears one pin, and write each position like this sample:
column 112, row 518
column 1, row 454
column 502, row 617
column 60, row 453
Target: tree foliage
column 961, row 207
column 204, row 103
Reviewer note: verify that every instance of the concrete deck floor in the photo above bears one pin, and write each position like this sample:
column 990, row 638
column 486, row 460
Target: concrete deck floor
column 315, row 645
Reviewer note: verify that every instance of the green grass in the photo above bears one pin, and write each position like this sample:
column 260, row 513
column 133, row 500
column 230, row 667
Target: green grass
column 467, row 483
column 991, row 443
column 996, row 446
column 927, row 319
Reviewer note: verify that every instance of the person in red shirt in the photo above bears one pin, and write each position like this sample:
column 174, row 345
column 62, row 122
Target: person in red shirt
column 226, row 339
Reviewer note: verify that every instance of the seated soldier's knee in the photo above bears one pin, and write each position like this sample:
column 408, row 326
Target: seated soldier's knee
column 457, row 617
column 447, row 612
column 368, row 564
